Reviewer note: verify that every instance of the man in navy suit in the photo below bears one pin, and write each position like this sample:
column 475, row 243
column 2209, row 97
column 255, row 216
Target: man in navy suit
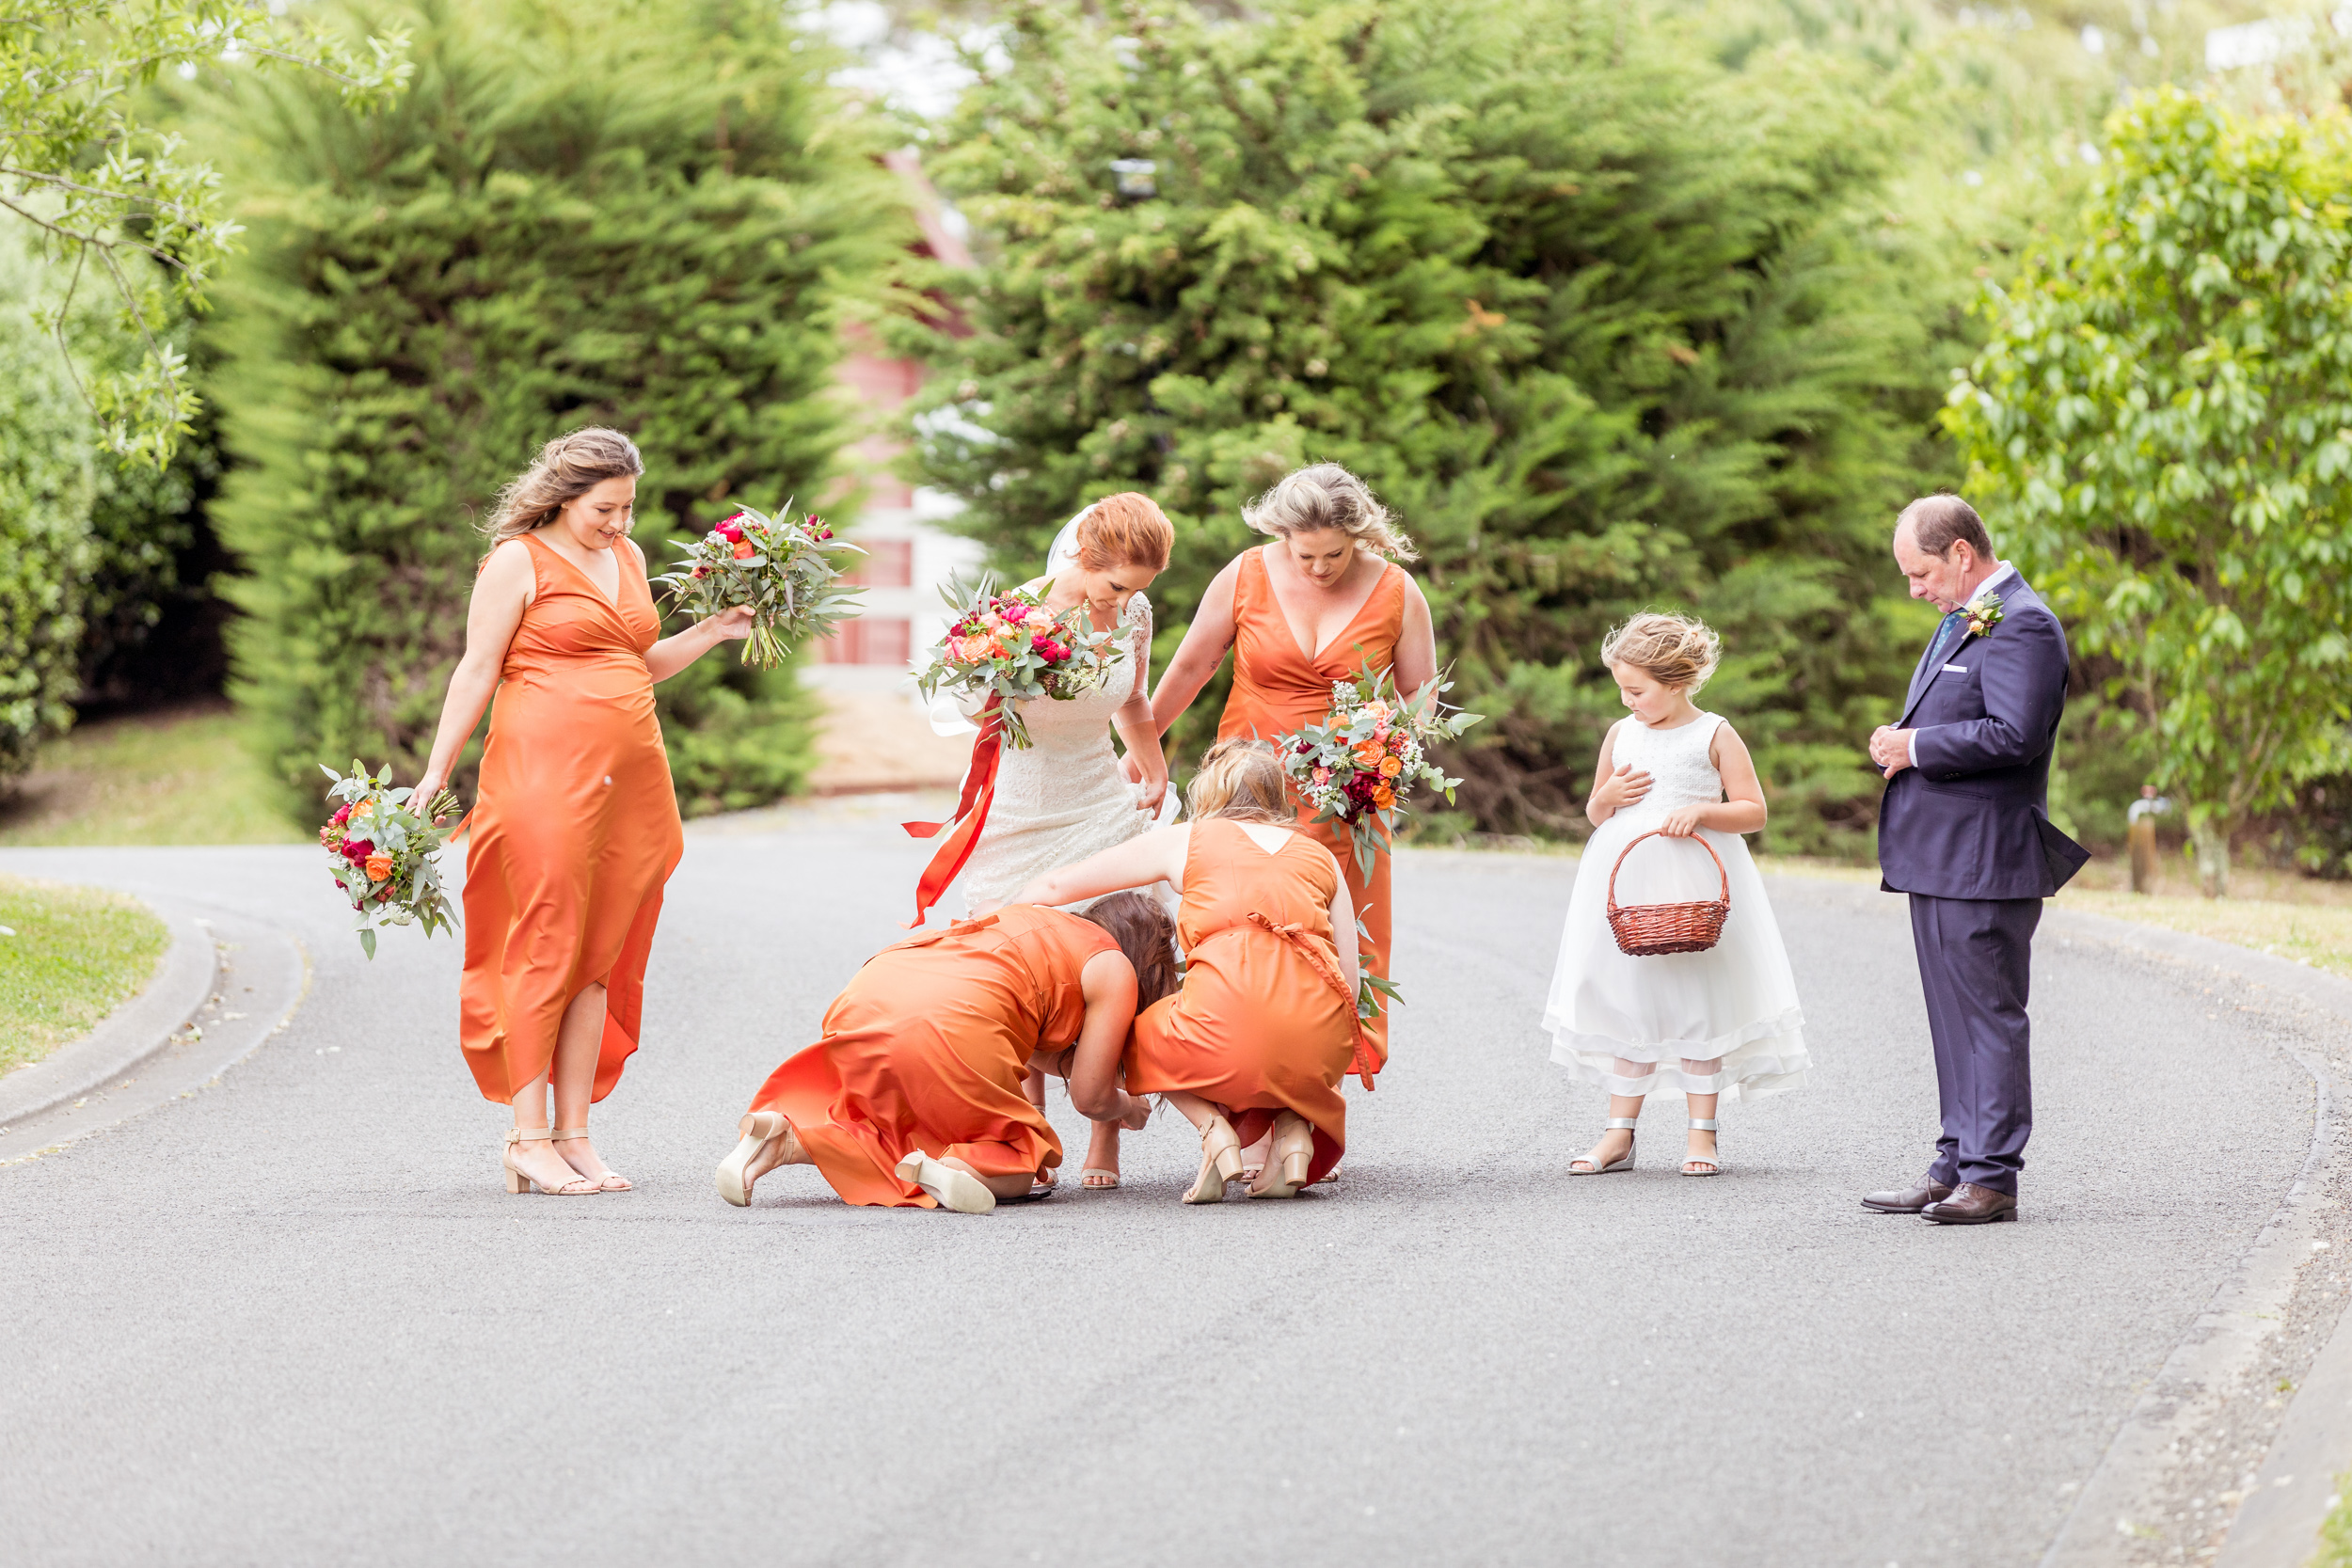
column 1964, row 831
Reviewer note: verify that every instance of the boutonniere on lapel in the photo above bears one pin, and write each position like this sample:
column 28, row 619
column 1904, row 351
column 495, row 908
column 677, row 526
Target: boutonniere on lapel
column 1983, row 615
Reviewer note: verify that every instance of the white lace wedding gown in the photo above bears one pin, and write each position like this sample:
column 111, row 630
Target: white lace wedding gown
column 1064, row 798
column 1736, row 1001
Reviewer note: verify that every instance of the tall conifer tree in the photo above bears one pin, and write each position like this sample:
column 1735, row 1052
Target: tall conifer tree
column 628, row 213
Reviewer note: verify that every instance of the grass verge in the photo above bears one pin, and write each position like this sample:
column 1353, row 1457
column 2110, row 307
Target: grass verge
column 2335, row 1531
column 71, row 956
column 180, row 777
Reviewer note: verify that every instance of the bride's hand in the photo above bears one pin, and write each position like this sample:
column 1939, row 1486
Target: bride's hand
column 1154, row 791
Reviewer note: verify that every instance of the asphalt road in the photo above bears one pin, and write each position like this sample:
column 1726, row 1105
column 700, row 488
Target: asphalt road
column 295, row 1318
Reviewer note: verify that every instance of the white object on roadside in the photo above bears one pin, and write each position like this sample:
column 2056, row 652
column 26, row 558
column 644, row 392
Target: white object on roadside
column 8, row 931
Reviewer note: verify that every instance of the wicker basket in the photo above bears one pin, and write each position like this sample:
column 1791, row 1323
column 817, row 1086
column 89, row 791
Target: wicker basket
column 1646, row 930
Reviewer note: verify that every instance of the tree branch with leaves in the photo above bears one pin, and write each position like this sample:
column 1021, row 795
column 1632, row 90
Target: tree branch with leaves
column 2161, row 428
column 109, row 192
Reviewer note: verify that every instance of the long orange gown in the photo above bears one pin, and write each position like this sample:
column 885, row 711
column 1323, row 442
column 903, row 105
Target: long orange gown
column 928, row 1048
column 1277, row 688
column 1265, row 1022
column 573, row 831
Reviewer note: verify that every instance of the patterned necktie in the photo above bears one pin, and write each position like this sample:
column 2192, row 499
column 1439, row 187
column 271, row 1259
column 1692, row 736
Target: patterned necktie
column 1935, row 649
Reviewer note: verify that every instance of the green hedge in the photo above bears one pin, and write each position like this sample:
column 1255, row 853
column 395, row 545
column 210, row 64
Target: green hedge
column 48, row 480
column 628, row 213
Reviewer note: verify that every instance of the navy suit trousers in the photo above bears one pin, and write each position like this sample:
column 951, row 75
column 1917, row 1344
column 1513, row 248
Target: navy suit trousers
column 1975, row 963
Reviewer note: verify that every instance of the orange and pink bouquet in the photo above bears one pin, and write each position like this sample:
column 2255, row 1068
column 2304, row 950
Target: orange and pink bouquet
column 1009, row 647
column 383, row 853
column 1363, row 762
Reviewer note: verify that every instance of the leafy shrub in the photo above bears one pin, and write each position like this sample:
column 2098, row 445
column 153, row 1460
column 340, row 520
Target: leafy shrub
column 612, row 213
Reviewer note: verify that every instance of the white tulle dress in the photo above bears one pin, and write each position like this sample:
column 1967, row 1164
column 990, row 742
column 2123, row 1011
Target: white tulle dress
column 1064, row 798
column 1736, row 1002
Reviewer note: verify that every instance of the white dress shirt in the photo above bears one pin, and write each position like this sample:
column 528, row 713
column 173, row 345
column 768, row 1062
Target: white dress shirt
column 2002, row 571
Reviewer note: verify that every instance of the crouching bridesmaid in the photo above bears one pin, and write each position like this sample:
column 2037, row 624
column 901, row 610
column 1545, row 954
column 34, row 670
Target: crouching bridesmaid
column 1264, row 1026
column 912, row 1098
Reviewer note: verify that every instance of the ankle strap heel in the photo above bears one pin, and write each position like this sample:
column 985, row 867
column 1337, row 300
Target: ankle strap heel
column 1701, row 1165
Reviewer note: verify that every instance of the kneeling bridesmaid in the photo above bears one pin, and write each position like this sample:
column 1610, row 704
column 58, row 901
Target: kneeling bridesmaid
column 914, row 1099
column 1264, row 1026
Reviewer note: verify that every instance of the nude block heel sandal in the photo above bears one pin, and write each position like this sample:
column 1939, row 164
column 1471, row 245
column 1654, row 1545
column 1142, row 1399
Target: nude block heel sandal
column 1710, row 1166
column 1220, row 1163
column 1629, row 1123
column 521, row 1180
column 613, row 1181
column 1288, row 1159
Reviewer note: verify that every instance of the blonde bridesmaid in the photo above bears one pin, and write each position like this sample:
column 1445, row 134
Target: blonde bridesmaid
column 914, row 1096
column 1322, row 601
column 575, row 826
column 1255, row 1042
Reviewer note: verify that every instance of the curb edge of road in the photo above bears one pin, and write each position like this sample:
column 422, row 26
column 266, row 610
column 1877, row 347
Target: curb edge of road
column 126, row 1037
column 2311, row 1442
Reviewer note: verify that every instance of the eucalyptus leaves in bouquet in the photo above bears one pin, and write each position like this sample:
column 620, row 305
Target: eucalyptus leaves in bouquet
column 779, row 567
column 385, row 854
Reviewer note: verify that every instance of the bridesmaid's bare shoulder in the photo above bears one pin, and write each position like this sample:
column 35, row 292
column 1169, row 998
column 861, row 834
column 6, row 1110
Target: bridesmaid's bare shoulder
column 509, row 569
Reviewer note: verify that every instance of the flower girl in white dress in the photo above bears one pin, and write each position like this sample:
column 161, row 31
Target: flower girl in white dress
column 1065, row 797
column 1722, row 1022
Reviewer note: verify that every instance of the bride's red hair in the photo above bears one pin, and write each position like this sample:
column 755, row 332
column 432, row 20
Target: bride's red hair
column 1125, row 529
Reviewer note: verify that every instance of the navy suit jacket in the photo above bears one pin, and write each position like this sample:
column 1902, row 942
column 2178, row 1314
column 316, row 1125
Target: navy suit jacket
column 1970, row 820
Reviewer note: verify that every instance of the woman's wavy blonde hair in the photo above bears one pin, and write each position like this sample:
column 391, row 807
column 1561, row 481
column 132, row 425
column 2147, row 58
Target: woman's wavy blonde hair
column 1322, row 495
column 1242, row 781
column 1675, row 649
column 566, row 468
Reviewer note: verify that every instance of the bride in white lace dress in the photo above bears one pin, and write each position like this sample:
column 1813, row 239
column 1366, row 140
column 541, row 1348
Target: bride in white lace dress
column 1065, row 797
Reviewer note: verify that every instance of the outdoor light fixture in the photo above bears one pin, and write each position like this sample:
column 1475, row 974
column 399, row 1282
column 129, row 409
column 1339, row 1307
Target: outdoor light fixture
column 1135, row 179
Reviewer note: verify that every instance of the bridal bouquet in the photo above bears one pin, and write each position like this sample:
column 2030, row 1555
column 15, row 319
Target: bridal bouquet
column 382, row 852
column 1360, row 764
column 777, row 566
column 1010, row 647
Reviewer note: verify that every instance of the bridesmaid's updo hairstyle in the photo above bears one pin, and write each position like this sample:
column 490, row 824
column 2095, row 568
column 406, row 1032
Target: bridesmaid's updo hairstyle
column 1144, row 932
column 1125, row 529
column 566, row 468
column 1322, row 495
column 1243, row 782
column 1675, row 649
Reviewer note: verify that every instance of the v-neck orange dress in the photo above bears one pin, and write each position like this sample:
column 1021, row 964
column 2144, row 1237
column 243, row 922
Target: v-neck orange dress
column 928, row 1046
column 1277, row 688
column 575, row 828
column 1263, row 1021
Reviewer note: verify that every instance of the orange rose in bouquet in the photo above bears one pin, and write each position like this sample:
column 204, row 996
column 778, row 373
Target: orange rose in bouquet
column 385, row 854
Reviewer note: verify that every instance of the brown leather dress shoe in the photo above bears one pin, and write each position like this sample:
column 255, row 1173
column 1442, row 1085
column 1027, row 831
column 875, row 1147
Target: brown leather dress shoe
column 1972, row 1205
column 1907, row 1200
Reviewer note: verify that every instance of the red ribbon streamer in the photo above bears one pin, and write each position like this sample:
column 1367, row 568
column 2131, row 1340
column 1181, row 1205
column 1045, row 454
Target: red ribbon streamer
column 971, row 814
column 1362, row 1066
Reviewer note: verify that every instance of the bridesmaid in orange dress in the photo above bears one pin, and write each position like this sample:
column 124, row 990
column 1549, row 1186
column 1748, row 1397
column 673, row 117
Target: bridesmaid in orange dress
column 1255, row 1043
column 575, row 825
column 912, row 1098
column 1322, row 602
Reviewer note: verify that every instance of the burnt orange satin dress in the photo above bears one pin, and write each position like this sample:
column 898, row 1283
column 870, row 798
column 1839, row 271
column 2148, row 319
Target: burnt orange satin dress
column 1277, row 687
column 1264, row 1020
column 927, row 1049
column 573, row 831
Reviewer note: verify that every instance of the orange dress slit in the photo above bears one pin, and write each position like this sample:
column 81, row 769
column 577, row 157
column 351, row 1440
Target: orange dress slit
column 926, row 1048
column 1277, row 689
column 1263, row 1021
column 575, row 828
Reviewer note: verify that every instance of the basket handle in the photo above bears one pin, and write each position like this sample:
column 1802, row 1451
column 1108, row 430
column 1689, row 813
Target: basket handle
column 1655, row 834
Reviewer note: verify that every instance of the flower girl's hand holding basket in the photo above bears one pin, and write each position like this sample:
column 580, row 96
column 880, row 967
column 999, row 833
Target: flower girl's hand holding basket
column 1648, row 931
